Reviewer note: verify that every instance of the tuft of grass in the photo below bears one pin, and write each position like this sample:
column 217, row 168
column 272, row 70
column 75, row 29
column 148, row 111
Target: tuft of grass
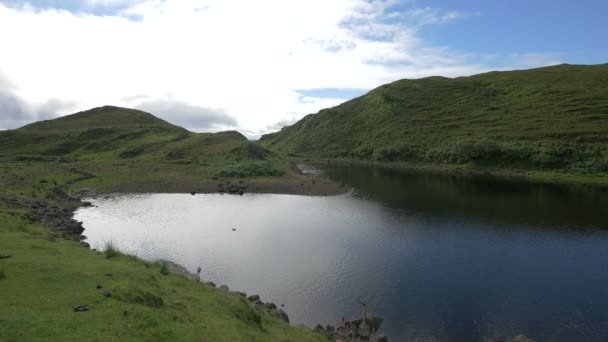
column 164, row 269
column 111, row 250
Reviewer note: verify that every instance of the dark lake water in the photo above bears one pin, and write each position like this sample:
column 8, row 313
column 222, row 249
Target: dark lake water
column 450, row 258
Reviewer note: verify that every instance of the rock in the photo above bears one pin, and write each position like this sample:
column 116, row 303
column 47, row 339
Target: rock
column 107, row 294
column 210, row 283
column 522, row 338
column 234, row 229
column 198, row 270
column 242, row 294
column 193, row 193
column 85, row 244
column 382, row 338
column 282, row 315
column 225, row 288
column 270, row 306
column 81, row 308
column 99, row 286
column 253, row 298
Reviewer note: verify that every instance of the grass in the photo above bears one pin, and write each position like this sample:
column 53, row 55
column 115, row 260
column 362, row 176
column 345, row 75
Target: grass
column 49, row 276
column 110, row 250
column 549, row 121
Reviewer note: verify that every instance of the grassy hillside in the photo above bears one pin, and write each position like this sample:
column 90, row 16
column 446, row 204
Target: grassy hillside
column 46, row 277
column 126, row 147
column 552, row 119
column 127, row 135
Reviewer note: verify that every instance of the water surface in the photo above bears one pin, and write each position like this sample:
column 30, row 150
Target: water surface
column 452, row 258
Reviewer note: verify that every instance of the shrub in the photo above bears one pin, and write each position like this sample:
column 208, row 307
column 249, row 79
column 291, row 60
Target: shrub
column 243, row 170
column 164, row 269
column 141, row 297
column 552, row 155
column 132, row 152
column 600, row 165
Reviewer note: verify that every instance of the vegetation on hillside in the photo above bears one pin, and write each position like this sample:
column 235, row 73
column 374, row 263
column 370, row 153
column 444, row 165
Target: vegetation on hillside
column 128, row 136
column 546, row 119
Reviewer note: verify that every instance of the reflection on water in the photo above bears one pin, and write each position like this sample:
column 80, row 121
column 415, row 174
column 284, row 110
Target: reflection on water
column 480, row 197
column 446, row 257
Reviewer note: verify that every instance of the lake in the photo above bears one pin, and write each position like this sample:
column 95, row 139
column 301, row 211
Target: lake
column 445, row 257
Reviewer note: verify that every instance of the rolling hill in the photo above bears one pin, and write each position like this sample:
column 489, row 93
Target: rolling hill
column 548, row 119
column 109, row 139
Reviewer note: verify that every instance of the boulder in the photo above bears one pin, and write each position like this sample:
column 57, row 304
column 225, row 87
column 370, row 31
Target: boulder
column 254, row 298
column 281, row 315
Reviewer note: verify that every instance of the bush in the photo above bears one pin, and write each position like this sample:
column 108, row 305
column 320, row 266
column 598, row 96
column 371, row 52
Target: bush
column 600, row 165
column 141, row 297
column 132, row 152
column 552, row 155
column 243, row 170
column 164, row 269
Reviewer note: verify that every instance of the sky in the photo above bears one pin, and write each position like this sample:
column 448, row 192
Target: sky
column 256, row 66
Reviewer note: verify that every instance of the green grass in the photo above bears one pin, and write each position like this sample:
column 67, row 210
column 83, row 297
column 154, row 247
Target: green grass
column 49, row 276
column 110, row 250
column 549, row 120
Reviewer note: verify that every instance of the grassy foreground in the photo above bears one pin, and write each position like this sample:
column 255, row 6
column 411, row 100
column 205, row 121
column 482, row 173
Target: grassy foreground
column 46, row 277
column 550, row 123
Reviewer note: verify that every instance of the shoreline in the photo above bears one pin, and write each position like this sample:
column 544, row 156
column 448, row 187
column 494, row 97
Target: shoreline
column 530, row 176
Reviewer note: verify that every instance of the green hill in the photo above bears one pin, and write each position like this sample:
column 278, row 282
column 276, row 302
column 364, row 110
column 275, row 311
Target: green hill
column 547, row 119
column 114, row 133
column 122, row 146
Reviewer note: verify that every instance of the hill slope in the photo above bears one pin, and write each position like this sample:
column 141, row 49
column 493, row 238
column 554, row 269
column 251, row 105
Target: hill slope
column 113, row 138
column 552, row 118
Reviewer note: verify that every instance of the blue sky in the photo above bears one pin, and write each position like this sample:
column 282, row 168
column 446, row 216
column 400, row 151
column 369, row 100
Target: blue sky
column 255, row 66
column 575, row 30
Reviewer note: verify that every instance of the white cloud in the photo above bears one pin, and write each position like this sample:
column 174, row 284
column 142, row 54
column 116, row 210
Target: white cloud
column 199, row 119
column 241, row 57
